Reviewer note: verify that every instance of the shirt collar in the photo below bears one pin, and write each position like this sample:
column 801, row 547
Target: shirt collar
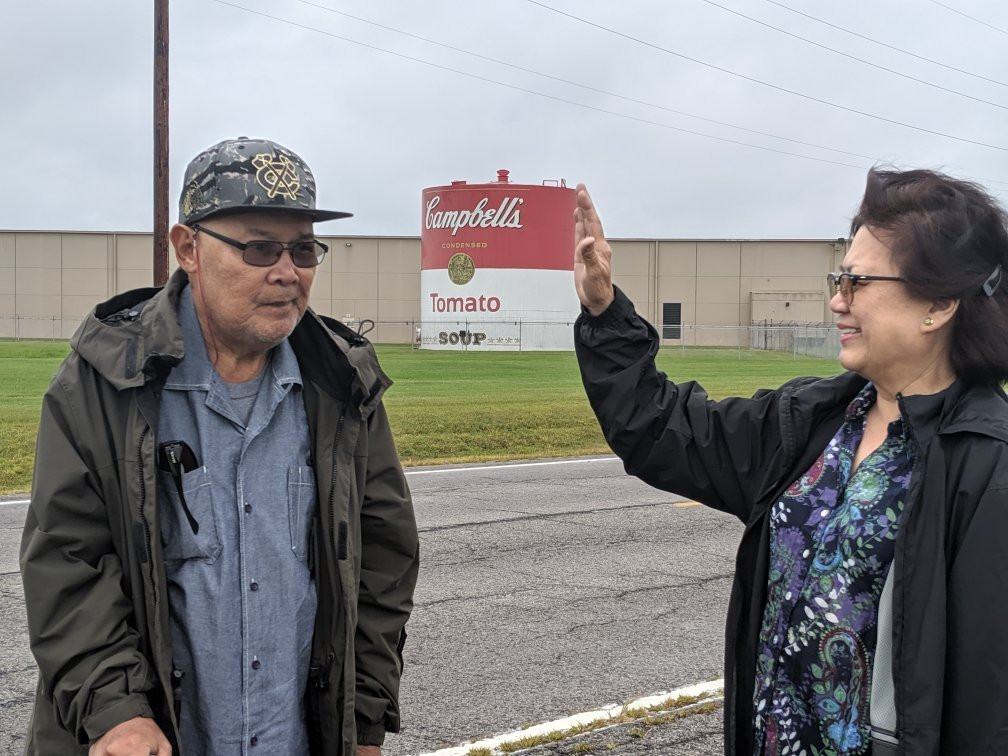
column 284, row 365
column 196, row 371
column 857, row 410
column 861, row 403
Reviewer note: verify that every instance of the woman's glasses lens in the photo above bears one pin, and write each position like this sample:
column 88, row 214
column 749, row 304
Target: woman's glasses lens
column 841, row 283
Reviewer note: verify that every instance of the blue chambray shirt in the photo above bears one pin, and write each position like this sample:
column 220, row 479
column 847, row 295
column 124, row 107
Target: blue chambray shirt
column 242, row 600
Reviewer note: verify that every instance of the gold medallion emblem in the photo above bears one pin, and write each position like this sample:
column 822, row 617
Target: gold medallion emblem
column 192, row 199
column 461, row 268
column 277, row 174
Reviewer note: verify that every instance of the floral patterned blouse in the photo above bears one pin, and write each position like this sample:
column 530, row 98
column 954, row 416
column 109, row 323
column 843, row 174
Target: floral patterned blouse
column 832, row 539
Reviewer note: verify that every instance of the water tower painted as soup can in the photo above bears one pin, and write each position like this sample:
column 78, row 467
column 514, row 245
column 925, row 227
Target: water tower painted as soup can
column 496, row 270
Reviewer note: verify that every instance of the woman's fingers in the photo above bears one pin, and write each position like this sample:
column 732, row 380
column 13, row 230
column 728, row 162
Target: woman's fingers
column 592, row 256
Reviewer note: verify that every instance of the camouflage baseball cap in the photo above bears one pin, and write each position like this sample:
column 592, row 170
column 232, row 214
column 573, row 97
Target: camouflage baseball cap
column 249, row 175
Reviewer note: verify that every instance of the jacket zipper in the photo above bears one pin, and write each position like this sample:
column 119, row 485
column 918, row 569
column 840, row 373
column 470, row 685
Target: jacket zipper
column 143, row 516
column 319, row 675
column 148, row 545
column 339, row 550
column 913, row 497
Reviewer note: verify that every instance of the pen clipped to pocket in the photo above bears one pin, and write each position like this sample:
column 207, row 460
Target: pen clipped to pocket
column 177, row 458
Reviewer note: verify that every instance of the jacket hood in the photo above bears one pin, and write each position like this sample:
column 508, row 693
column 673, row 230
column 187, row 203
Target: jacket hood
column 965, row 409
column 961, row 408
column 135, row 337
column 353, row 363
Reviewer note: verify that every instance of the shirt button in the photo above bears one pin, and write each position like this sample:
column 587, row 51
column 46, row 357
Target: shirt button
column 253, row 586
column 248, row 508
column 253, row 740
column 256, row 664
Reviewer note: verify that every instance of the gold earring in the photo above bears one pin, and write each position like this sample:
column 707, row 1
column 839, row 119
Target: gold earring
column 928, row 321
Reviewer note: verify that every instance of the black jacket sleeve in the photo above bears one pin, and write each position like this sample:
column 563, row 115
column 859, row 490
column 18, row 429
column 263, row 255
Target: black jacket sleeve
column 671, row 435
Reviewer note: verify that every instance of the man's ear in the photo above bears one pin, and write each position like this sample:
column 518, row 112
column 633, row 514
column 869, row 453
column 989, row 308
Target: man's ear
column 941, row 312
column 183, row 239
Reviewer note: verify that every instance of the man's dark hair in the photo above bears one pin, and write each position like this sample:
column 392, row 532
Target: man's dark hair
column 948, row 238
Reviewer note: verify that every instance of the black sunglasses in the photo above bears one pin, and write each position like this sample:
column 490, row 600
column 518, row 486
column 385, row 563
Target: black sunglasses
column 845, row 283
column 306, row 253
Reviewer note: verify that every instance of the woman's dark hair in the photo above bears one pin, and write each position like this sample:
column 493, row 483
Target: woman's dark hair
column 948, row 239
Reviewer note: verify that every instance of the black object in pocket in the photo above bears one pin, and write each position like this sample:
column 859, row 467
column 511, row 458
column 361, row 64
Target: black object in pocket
column 180, row 541
column 177, row 458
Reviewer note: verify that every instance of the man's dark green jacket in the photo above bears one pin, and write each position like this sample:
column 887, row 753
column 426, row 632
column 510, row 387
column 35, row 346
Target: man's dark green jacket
column 91, row 554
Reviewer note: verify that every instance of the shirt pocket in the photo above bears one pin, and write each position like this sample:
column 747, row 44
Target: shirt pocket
column 300, row 508
column 178, row 539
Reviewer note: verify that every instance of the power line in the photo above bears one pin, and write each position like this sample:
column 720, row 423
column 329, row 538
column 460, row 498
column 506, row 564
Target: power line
column 534, row 92
column 854, row 57
column 563, row 100
column 455, row 48
column 811, row 98
column 971, row 18
column 885, row 44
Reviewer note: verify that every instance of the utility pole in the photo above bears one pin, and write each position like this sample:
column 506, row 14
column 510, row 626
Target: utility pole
column 160, row 142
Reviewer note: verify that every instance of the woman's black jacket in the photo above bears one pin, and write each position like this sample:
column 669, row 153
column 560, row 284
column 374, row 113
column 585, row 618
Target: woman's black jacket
column 950, row 594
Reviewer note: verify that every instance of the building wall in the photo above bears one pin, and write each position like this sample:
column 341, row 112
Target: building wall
column 728, row 283
column 49, row 280
column 375, row 278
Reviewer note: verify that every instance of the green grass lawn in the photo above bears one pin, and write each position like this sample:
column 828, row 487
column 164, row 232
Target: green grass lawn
column 444, row 406
column 25, row 370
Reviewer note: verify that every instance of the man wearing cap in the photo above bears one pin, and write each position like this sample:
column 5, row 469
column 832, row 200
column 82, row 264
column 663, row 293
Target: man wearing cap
column 220, row 552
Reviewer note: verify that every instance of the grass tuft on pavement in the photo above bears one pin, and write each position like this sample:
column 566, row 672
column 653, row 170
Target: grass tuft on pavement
column 642, row 718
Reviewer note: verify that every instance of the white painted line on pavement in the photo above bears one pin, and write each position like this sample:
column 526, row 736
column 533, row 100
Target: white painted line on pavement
column 454, row 469
column 513, row 464
column 600, row 715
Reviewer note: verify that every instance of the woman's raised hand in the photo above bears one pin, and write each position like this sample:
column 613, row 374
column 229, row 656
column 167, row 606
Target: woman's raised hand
column 592, row 256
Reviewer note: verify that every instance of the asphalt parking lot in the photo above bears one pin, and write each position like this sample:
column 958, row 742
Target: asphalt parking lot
column 546, row 588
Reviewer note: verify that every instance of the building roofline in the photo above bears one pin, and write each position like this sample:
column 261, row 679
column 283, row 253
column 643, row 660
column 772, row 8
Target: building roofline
column 647, row 239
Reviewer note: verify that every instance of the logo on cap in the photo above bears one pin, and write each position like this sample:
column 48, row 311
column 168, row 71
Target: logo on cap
column 277, row 174
column 192, row 199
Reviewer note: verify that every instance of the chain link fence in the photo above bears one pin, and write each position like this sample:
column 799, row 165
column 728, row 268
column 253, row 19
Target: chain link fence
column 799, row 339
column 495, row 335
column 37, row 327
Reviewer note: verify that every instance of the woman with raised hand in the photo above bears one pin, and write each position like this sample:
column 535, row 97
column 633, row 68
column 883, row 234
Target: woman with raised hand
column 869, row 610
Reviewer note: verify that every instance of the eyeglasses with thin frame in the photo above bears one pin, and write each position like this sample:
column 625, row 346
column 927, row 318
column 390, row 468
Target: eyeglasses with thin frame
column 846, row 283
column 305, row 253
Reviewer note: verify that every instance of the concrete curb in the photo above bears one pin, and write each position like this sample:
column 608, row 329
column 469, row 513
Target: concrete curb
column 600, row 717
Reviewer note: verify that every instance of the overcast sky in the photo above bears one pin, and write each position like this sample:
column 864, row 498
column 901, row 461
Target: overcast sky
column 379, row 114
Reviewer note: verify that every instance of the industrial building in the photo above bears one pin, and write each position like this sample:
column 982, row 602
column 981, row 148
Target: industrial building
column 694, row 290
